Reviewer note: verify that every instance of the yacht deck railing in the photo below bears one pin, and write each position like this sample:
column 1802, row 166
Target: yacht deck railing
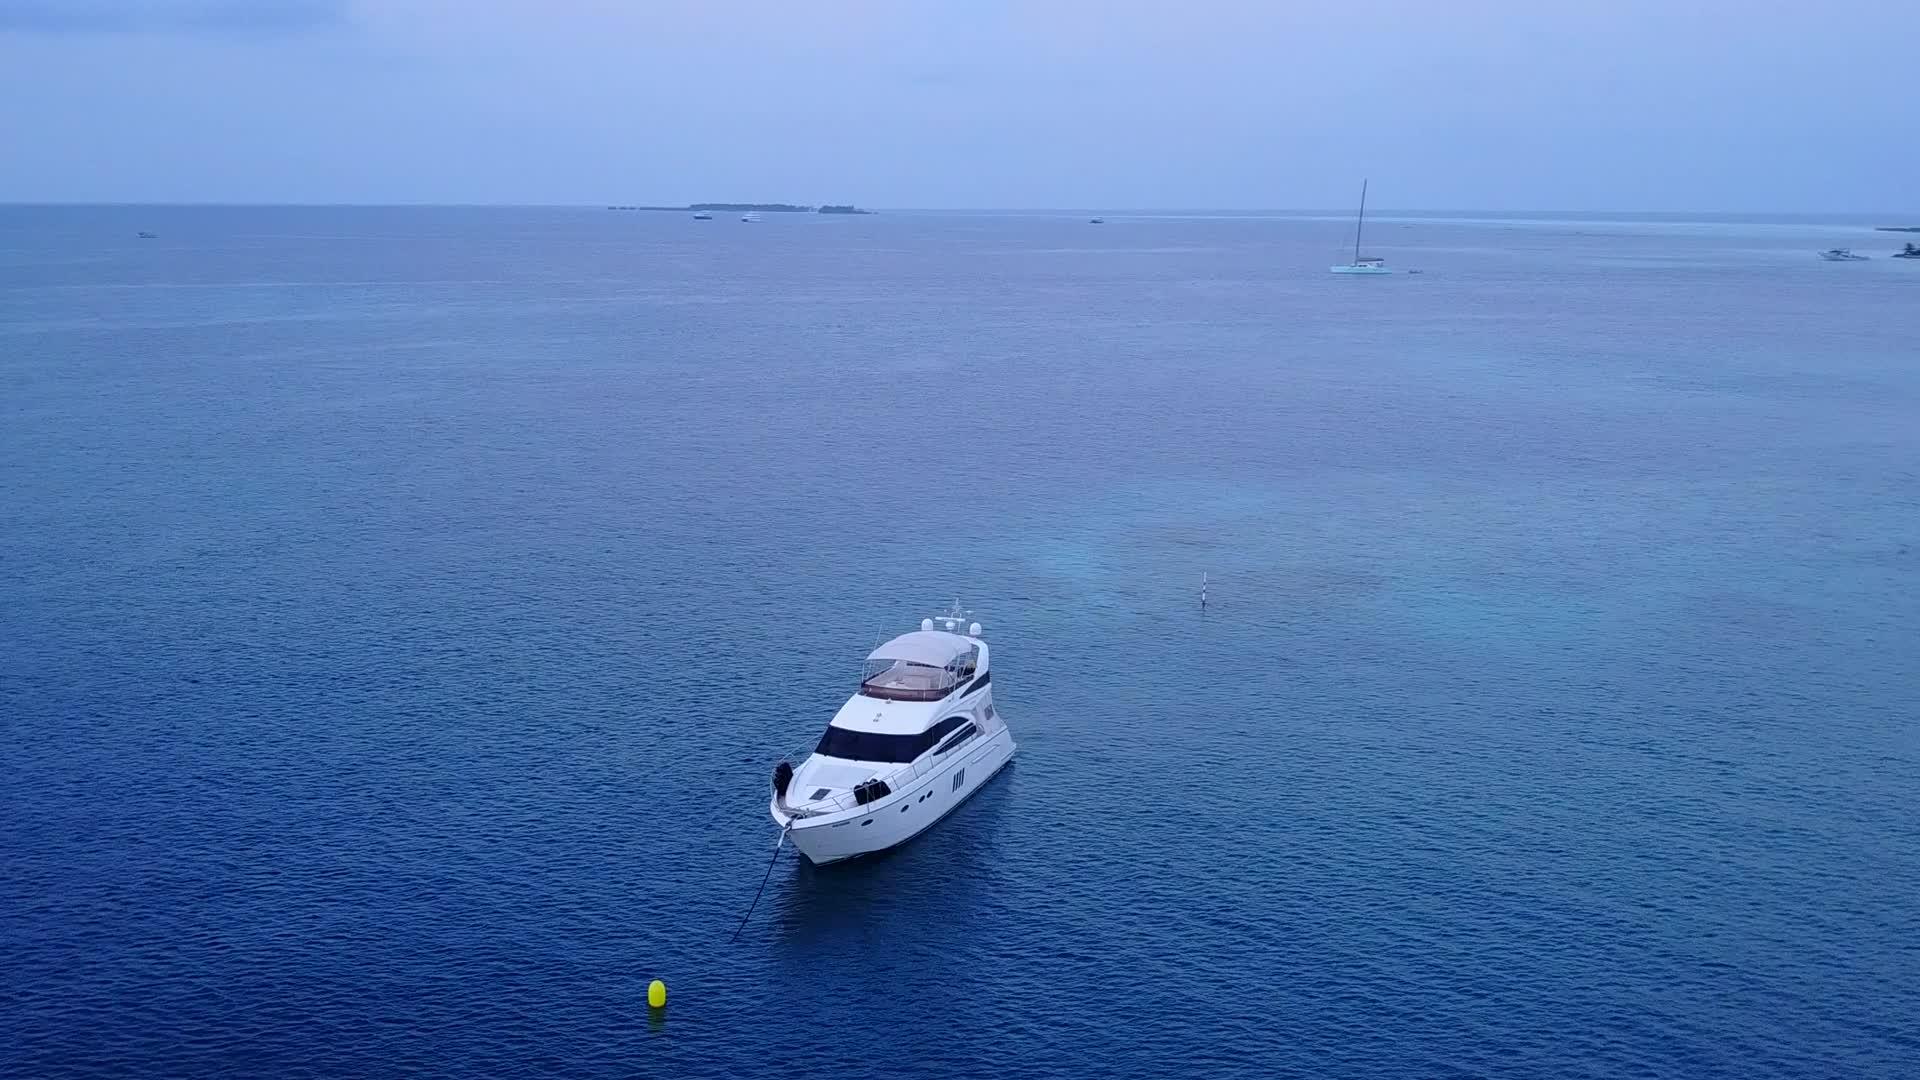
column 838, row 804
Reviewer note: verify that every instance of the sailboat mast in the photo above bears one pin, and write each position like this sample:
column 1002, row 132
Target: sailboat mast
column 1361, row 223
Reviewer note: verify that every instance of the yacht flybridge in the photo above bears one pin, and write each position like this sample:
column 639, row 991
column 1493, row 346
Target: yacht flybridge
column 919, row 736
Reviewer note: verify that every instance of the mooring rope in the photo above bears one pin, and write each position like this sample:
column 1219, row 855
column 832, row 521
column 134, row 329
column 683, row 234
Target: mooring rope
column 763, row 884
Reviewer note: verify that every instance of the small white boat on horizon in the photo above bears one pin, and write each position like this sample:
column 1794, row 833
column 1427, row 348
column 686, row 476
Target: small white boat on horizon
column 702, row 215
column 1359, row 265
column 1370, row 265
column 1842, row 255
column 749, row 217
column 918, row 737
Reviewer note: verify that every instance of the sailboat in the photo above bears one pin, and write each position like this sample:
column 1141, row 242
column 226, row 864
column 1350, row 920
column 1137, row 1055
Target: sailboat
column 1359, row 265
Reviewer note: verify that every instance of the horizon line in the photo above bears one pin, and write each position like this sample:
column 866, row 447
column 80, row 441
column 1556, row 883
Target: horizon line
column 880, row 210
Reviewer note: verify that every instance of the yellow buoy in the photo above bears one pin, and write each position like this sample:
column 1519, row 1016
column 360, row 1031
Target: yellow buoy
column 657, row 994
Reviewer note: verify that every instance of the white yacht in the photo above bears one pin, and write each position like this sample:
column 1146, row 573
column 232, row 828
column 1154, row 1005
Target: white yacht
column 1372, row 264
column 750, row 217
column 919, row 736
column 1841, row 255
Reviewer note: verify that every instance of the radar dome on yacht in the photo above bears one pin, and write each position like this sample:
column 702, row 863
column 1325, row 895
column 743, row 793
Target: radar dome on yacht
column 926, row 624
column 974, row 630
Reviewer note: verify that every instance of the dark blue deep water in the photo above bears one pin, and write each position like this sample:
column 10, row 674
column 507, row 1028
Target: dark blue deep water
column 400, row 610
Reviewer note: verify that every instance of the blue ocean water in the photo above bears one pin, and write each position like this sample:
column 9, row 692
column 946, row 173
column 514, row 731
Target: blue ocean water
column 401, row 609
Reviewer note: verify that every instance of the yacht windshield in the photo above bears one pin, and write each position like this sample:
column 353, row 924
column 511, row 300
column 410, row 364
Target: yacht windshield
column 874, row 746
column 869, row 746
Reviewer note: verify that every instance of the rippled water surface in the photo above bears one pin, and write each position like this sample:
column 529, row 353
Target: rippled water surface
column 401, row 610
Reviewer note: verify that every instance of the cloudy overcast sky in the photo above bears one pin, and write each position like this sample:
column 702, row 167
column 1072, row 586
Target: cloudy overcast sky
column 1475, row 104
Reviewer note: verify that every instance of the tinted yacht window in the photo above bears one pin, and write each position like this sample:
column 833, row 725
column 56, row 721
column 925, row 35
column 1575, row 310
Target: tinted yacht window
column 966, row 732
column 873, row 746
column 868, row 746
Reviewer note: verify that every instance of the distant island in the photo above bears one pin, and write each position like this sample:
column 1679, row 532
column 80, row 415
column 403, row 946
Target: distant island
column 1897, row 228
column 754, row 208
column 742, row 207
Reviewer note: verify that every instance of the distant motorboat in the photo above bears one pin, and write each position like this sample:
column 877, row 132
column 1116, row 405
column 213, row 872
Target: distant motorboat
column 1842, row 255
column 702, row 216
column 1097, row 221
column 749, row 216
column 156, row 236
column 1359, row 265
column 1908, row 252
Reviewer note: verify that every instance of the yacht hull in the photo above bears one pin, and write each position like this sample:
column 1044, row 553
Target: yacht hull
column 902, row 815
column 1359, row 268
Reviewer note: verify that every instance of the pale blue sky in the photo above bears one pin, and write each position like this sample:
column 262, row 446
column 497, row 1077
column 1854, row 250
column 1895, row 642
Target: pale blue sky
column 1487, row 104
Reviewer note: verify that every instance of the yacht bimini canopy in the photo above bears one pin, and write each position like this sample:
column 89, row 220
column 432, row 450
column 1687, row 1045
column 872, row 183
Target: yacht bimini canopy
column 933, row 648
column 925, row 665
